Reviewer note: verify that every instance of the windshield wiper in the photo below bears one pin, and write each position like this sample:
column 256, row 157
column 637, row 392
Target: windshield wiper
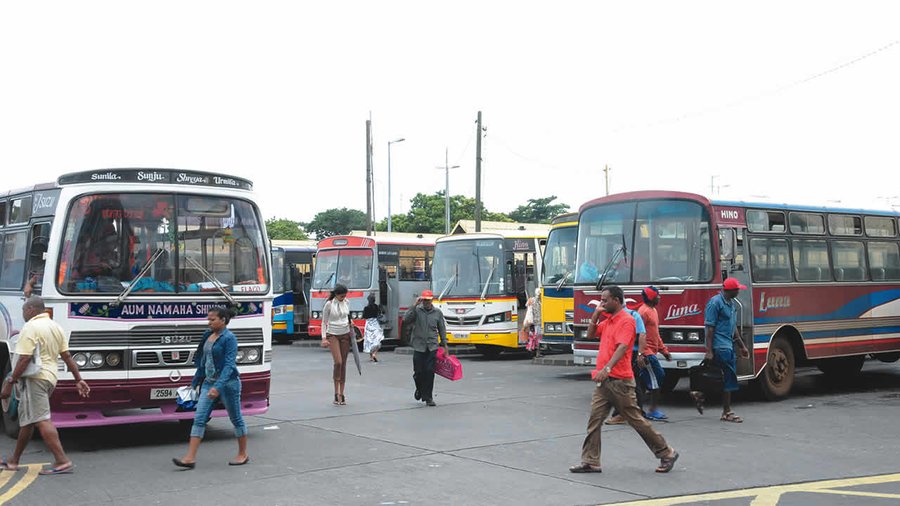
column 563, row 280
column 620, row 250
column 487, row 283
column 209, row 277
column 131, row 284
column 449, row 282
column 325, row 284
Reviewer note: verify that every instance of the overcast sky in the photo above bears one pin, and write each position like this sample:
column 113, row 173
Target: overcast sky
column 795, row 101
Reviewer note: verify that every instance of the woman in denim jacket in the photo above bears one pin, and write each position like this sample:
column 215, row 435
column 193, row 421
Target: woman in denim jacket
column 217, row 375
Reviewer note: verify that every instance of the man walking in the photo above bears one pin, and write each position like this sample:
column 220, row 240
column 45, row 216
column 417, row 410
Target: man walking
column 615, row 388
column 43, row 336
column 639, row 342
column 428, row 326
column 722, row 333
column 651, row 372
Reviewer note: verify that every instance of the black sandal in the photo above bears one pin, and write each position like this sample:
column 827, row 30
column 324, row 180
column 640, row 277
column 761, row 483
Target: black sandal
column 343, row 400
column 667, row 463
column 337, row 400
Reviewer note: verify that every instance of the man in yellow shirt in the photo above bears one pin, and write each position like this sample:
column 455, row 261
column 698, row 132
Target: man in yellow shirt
column 33, row 392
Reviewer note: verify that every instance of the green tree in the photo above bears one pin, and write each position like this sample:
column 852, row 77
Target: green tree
column 427, row 213
column 282, row 228
column 336, row 222
column 538, row 210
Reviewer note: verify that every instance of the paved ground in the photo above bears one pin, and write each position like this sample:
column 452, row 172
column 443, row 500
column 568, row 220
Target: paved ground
column 505, row 434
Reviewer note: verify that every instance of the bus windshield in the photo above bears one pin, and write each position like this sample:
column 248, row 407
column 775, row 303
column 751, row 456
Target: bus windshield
column 198, row 242
column 279, row 274
column 559, row 257
column 664, row 241
column 350, row 267
column 465, row 268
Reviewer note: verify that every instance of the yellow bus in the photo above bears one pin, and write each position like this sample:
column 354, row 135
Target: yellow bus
column 557, row 279
column 482, row 281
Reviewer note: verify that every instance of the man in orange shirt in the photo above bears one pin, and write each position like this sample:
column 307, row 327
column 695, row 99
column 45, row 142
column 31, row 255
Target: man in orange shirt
column 615, row 388
column 652, row 374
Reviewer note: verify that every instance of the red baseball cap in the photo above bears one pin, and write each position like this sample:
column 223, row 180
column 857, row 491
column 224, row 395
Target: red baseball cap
column 427, row 294
column 733, row 284
column 651, row 293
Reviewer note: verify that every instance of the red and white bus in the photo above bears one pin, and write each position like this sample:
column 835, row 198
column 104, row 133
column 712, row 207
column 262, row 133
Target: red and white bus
column 129, row 261
column 823, row 283
column 394, row 266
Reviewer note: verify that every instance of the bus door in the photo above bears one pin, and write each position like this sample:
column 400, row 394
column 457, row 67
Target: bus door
column 735, row 264
column 524, row 280
column 390, row 297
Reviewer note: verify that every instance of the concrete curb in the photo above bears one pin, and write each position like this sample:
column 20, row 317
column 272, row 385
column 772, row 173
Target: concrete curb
column 553, row 361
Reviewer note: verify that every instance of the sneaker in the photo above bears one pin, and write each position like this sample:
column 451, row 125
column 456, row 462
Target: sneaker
column 430, row 402
column 616, row 420
column 656, row 415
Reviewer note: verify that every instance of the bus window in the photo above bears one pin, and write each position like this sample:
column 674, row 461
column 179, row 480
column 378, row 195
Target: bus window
column 884, row 261
column 849, row 258
column 37, row 253
column 811, row 260
column 878, row 226
column 2, row 214
column 765, row 221
column 842, row 224
column 20, row 210
column 807, row 223
column 673, row 243
column 12, row 270
column 770, row 259
column 414, row 265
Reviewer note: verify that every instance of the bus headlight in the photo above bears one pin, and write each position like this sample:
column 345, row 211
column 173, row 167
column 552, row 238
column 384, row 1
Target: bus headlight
column 113, row 359
column 96, row 360
column 240, row 356
column 693, row 336
column 356, row 315
column 678, row 336
column 80, row 359
column 277, row 310
column 252, row 355
column 314, row 315
column 498, row 318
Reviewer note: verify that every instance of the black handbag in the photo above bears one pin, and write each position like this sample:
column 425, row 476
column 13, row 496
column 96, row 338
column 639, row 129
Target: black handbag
column 707, row 377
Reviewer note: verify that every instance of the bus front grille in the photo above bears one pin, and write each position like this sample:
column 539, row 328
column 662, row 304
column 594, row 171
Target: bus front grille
column 155, row 335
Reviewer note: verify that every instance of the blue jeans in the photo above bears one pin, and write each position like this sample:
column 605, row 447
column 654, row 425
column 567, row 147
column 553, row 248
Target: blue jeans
column 230, row 394
column 728, row 361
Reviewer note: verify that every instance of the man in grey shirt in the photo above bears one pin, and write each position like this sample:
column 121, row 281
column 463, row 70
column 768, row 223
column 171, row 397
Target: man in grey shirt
column 427, row 325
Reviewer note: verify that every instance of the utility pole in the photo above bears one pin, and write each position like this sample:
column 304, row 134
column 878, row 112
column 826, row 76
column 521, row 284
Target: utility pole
column 446, row 169
column 606, row 170
column 478, row 175
column 368, row 177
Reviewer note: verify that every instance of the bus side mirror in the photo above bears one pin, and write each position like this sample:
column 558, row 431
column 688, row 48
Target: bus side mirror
column 728, row 244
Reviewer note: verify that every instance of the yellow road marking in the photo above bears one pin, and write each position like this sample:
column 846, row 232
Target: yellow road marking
column 859, row 493
column 31, row 472
column 768, row 496
column 5, row 477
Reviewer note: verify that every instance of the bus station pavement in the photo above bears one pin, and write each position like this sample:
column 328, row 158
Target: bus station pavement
column 504, row 434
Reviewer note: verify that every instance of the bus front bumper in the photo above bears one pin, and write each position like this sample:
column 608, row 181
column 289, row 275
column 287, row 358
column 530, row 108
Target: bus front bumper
column 117, row 402
column 505, row 339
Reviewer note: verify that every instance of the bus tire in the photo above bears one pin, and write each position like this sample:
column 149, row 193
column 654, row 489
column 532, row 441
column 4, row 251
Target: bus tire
column 841, row 366
column 777, row 376
column 282, row 339
column 10, row 423
column 887, row 358
column 488, row 350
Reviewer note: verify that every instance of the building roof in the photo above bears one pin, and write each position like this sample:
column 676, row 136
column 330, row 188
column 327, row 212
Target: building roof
column 468, row 226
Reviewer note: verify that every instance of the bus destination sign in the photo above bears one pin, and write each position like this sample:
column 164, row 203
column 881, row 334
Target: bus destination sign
column 161, row 176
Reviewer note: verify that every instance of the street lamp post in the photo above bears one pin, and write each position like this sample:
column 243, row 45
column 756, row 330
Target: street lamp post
column 389, row 180
column 446, row 168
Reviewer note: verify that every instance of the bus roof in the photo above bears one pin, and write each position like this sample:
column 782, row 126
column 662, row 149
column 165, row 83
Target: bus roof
column 158, row 176
column 292, row 245
column 565, row 220
column 500, row 234
column 644, row 195
column 468, row 226
column 362, row 241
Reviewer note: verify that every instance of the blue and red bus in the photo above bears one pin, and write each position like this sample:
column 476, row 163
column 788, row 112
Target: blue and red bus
column 292, row 267
column 823, row 282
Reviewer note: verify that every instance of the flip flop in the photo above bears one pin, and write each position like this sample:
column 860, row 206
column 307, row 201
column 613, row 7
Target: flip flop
column 585, row 468
column 232, row 463
column 698, row 399
column 66, row 469
column 179, row 463
column 5, row 465
column 667, row 463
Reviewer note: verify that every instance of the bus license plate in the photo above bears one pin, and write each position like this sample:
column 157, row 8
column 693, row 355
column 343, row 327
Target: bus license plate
column 461, row 335
column 163, row 393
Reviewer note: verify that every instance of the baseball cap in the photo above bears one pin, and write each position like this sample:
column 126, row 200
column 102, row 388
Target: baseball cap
column 650, row 293
column 427, row 294
column 733, row 284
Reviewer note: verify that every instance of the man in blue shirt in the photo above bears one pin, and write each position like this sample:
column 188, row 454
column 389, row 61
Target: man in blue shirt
column 722, row 332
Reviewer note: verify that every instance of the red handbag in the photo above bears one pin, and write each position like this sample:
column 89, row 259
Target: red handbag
column 447, row 366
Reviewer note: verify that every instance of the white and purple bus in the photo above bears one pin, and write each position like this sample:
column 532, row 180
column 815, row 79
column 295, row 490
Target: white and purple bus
column 129, row 261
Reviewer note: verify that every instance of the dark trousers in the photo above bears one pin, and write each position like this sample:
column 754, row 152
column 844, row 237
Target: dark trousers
column 423, row 373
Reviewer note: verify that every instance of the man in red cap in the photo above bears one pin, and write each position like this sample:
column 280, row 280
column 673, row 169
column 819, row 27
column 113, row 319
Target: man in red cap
column 722, row 333
column 428, row 327
column 651, row 372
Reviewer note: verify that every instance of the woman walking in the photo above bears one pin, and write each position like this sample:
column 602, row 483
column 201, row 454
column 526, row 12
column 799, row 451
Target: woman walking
column 336, row 335
column 374, row 334
column 217, row 377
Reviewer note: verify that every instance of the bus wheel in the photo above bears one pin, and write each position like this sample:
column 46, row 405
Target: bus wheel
column 488, row 350
column 778, row 375
column 10, row 423
column 887, row 358
column 282, row 339
column 841, row 366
